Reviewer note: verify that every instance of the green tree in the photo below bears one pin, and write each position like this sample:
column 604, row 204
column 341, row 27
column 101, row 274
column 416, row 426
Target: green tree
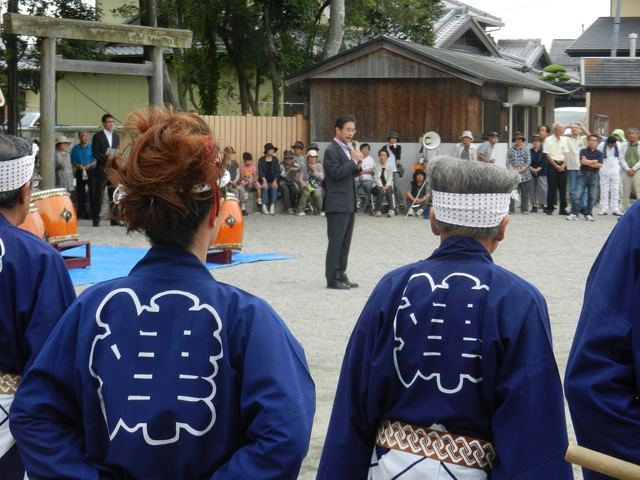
column 403, row 19
column 555, row 73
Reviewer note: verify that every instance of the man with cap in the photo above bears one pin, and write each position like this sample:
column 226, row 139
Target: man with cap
column 297, row 149
column 519, row 160
column 310, row 180
column 485, row 151
column 465, row 150
column 35, row 289
column 452, row 351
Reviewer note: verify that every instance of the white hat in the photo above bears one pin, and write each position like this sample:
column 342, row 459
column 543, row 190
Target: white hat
column 467, row 133
column 312, row 153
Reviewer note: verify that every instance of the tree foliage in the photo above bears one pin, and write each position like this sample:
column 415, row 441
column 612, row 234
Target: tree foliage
column 555, row 73
column 403, row 19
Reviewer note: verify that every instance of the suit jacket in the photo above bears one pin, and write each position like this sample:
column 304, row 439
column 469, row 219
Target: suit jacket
column 99, row 146
column 340, row 171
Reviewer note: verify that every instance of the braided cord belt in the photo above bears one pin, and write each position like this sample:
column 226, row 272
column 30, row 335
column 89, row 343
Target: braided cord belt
column 441, row 446
column 9, row 383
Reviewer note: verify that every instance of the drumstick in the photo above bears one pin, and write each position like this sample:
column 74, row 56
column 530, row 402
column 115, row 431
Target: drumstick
column 605, row 464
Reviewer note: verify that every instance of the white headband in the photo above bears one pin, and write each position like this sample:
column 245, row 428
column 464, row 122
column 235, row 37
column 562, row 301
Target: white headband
column 480, row 210
column 15, row 173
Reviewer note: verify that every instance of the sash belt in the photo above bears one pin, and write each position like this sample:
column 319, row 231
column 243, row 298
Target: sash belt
column 445, row 447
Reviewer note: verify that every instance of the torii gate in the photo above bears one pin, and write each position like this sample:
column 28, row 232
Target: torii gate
column 50, row 29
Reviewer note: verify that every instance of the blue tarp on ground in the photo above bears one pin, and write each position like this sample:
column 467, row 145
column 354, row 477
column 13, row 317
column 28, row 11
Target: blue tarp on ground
column 113, row 262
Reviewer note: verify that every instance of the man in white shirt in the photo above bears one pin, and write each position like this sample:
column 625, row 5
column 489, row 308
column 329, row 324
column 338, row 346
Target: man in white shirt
column 577, row 141
column 556, row 148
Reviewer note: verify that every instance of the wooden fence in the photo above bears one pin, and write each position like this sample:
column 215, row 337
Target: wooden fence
column 249, row 134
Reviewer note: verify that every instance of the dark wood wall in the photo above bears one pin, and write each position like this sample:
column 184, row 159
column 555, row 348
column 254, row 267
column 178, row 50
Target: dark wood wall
column 409, row 106
column 621, row 105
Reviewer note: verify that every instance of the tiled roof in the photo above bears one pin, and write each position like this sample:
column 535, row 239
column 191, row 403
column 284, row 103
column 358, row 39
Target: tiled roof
column 528, row 51
column 618, row 72
column 558, row 54
column 596, row 40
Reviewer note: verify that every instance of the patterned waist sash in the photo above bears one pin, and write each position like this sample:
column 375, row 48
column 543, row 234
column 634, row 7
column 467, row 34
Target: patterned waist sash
column 9, row 383
column 441, row 446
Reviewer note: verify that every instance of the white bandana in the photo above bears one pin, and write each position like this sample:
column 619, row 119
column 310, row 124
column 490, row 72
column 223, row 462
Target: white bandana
column 480, row 210
column 15, row 173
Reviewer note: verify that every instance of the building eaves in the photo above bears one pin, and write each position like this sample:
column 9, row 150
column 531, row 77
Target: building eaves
column 481, row 69
column 608, row 72
column 596, row 40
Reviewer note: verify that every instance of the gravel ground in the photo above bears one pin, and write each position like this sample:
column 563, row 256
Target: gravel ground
column 552, row 253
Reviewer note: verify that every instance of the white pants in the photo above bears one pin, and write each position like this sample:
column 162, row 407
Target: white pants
column 415, row 467
column 628, row 183
column 609, row 189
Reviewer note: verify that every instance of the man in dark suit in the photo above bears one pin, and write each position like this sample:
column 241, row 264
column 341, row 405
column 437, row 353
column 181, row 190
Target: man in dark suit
column 103, row 141
column 341, row 164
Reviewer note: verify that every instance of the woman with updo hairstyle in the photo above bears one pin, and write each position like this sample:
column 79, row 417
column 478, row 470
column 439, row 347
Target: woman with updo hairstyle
column 167, row 373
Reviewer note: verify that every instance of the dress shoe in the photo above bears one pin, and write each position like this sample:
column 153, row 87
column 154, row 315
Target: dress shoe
column 96, row 223
column 345, row 280
column 534, row 209
column 564, row 212
column 116, row 223
column 338, row 285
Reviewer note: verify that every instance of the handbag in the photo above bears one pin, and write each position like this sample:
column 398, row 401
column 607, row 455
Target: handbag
column 400, row 170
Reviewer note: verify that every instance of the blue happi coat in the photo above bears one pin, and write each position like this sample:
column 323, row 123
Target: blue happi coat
column 602, row 381
column 166, row 374
column 459, row 342
column 35, row 291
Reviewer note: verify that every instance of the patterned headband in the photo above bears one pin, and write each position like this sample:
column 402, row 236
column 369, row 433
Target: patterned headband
column 480, row 210
column 15, row 173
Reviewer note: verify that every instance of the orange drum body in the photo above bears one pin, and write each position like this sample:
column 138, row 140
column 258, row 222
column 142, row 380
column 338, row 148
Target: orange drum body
column 33, row 223
column 58, row 215
column 231, row 227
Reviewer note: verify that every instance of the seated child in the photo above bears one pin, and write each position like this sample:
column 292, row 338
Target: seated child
column 249, row 176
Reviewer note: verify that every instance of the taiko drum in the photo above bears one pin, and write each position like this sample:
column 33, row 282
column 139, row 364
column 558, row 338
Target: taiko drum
column 231, row 226
column 33, row 223
column 58, row 215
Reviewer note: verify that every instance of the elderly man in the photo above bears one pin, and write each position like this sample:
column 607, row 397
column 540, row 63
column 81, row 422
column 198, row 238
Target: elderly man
column 35, row 289
column 485, row 151
column 452, row 350
column 556, row 148
column 630, row 163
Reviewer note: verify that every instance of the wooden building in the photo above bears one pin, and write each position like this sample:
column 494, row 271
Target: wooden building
column 612, row 84
column 390, row 84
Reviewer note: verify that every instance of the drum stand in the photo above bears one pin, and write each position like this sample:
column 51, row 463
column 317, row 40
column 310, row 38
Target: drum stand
column 221, row 258
column 73, row 261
